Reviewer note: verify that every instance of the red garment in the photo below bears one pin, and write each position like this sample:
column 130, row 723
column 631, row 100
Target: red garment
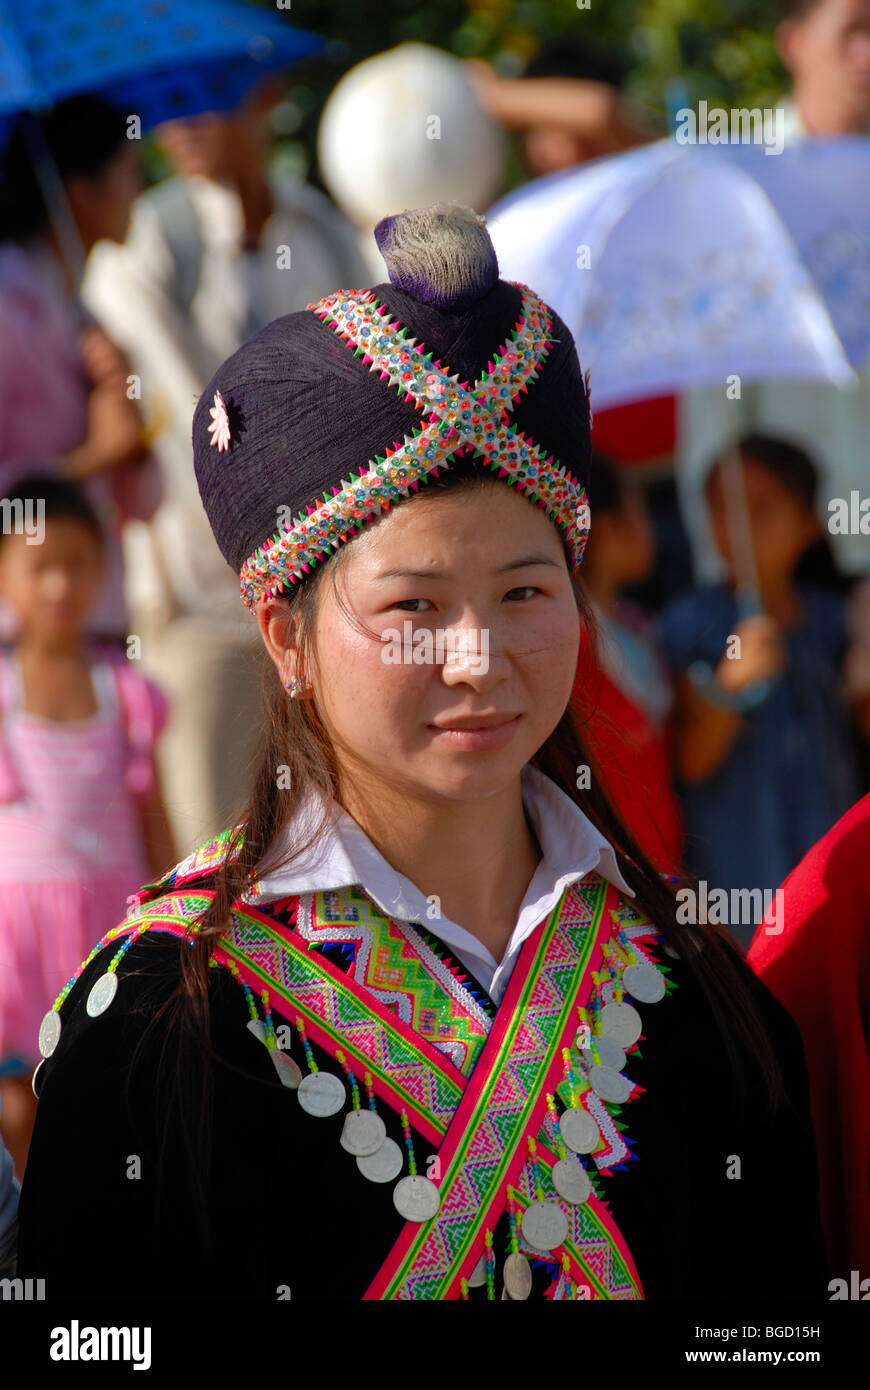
column 634, row 759
column 637, row 432
column 819, row 968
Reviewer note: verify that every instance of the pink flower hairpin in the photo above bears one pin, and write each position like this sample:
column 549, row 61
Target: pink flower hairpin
column 219, row 429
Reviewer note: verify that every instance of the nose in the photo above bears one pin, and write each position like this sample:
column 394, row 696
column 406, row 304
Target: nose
column 55, row 584
column 470, row 660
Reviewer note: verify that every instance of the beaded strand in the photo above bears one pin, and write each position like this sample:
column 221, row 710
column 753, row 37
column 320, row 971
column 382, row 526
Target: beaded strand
column 490, row 1266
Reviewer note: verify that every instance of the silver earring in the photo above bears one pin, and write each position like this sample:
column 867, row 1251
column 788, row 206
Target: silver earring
column 297, row 687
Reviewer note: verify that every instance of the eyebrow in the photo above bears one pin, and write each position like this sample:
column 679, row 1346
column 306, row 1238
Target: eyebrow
column 446, row 574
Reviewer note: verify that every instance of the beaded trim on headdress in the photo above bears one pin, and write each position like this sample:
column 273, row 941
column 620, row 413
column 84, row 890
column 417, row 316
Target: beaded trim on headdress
column 459, row 416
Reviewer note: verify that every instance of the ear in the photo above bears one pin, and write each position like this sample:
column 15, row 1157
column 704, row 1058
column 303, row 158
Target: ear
column 785, row 38
column 277, row 626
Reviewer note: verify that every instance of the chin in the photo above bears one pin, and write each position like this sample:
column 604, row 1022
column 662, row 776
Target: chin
column 477, row 780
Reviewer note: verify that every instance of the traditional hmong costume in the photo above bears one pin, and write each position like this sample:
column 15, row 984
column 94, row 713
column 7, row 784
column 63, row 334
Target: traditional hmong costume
column 395, row 1114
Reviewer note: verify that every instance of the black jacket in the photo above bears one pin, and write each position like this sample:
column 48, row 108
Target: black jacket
column 115, row 1204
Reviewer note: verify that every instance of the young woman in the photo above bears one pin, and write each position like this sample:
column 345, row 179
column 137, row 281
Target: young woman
column 379, row 1040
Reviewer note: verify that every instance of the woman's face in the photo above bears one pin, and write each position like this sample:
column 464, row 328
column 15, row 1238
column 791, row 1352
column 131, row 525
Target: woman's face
column 781, row 526
column 487, row 566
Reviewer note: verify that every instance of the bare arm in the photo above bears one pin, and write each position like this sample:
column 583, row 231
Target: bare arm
column 591, row 109
column 703, row 734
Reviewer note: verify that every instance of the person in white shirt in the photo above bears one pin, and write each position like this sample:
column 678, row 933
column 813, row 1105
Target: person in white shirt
column 213, row 254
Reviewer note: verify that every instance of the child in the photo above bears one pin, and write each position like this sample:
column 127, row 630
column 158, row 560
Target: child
column 81, row 819
column 370, row 1043
column 623, row 694
column 763, row 748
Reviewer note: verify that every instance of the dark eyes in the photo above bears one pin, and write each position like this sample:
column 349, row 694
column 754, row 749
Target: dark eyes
column 406, row 604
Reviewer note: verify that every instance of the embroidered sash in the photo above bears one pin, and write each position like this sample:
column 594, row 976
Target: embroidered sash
column 481, row 1121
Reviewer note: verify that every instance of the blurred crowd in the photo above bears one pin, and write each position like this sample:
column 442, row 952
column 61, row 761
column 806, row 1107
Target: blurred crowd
column 129, row 670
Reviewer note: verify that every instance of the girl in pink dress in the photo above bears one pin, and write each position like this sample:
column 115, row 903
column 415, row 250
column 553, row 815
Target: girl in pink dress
column 82, row 824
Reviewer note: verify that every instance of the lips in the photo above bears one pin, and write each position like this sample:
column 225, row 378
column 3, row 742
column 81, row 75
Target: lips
column 482, row 721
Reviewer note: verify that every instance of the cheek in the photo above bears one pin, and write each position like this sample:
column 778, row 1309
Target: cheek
column 550, row 643
column 358, row 689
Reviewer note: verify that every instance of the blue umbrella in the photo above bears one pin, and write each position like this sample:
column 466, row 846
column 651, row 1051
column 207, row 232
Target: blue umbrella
column 157, row 60
column 160, row 59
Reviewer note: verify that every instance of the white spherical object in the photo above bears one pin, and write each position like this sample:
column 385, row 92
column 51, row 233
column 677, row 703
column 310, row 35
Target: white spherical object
column 404, row 129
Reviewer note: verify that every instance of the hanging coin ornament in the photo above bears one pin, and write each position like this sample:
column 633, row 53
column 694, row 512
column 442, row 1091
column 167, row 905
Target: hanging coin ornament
column 643, row 982
column 544, row 1225
column 609, row 1084
column 477, row 1277
column 289, row 1072
column 364, row 1132
column 102, row 994
column 106, row 987
column 517, row 1277
column 416, row 1198
column 49, row 1033
column 579, row 1131
column 608, row 1052
column 287, row 1068
column 321, row 1093
column 621, row 1022
column 517, row 1272
column 571, row 1180
column 384, row 1164
column 50, row 1026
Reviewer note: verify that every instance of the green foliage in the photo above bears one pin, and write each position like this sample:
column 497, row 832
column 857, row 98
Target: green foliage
column 677, row 51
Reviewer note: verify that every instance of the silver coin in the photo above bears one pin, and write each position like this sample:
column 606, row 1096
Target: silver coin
column 579, row 1131
column 643, row 982
column 49, row 1033
column 571, row 1181
column 363, row 1132
column 288, row 1070
column 505, row 1296
column 416, row 1198
column 34, row 1076
column 609, row 1084
column 322, row 1093
column 102, row 994
column 477, row 1277
column 544, row 1225
column 384, row 1164
column 609, row 1053
column 517, row 1277
column 622, row 1023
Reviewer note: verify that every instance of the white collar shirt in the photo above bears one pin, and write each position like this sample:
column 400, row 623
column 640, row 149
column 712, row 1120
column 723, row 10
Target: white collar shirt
column 344, row 856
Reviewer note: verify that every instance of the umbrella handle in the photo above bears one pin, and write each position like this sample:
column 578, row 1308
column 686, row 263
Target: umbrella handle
column 56, row 201
column 748, row 589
